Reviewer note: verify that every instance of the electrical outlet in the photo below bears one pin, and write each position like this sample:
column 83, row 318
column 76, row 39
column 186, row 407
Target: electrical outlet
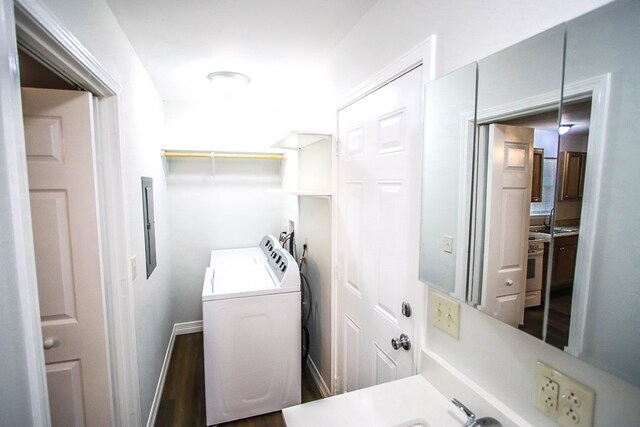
column 445, row 314
column 562, row 398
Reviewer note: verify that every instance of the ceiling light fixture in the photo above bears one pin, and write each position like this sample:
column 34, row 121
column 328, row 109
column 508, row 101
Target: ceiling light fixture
column 228, row 82
column 564, row 128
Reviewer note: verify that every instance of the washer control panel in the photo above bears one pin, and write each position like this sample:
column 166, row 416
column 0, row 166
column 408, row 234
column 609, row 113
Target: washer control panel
column 280, row 262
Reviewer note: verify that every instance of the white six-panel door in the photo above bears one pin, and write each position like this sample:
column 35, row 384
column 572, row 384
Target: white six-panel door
column 510, row 166
column 59, row 146
column 379, row 164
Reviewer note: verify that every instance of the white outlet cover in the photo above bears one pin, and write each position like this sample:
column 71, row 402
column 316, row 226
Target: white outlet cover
column 445, row 314
column 575, row 401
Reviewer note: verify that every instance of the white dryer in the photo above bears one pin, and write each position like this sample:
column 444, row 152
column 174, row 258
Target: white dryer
column 251, row 324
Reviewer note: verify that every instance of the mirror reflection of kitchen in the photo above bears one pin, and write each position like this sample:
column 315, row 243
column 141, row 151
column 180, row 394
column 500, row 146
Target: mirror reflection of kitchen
column 530, row 273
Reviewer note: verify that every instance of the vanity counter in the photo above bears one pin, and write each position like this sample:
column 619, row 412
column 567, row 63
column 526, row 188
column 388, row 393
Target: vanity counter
column 401, row 403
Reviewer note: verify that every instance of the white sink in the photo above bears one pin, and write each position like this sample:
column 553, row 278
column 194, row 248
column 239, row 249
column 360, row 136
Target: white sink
column 408, row 402
column 413, row 423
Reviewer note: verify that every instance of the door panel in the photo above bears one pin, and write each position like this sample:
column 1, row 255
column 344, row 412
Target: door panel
column 59, row 141
column 65, row 394
column 510, row 168
column 52, row 239
column 378, row 221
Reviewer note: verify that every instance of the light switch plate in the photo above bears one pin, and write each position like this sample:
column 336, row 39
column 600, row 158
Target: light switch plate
column 445, row 314
column 563, row 399
column 448, row 244
column 134, row 268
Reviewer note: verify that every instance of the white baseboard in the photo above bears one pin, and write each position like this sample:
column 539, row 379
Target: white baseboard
column 188, row 327
column 178, row 329
column 317, row 379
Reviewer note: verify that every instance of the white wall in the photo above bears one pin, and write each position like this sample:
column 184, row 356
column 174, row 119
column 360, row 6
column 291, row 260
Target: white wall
column 142, row 136
column 467, row 30
column 498, row 357
column 232, row 209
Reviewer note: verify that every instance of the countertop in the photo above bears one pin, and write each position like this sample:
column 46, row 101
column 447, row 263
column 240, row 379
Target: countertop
column 547, row 237
column 402, row 403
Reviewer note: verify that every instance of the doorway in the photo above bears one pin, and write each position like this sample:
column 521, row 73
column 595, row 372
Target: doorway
column 550, row 244
column 379, row 164
column 43, row 37
column 59, row 127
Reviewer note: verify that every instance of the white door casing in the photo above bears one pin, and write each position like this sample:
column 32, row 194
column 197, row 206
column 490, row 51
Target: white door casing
column 379, row 164
column 509, row 170
column 60, row 158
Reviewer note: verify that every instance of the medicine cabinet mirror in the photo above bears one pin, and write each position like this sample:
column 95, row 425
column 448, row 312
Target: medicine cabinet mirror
column 556, row 117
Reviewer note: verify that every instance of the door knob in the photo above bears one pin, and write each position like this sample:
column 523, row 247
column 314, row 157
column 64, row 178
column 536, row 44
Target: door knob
column 402, row 342
column 50, row 343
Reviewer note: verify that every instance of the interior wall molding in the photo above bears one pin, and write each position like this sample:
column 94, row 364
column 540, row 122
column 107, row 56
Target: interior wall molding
column 41, row 34
column 317, row 378
column 178, row 329
column 188, row 327
column 17, row 233
column 155, row 404
column 423, row 54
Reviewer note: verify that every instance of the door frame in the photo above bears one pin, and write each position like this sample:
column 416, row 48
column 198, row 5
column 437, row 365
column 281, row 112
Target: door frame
column 423, row 54
column 42, row 35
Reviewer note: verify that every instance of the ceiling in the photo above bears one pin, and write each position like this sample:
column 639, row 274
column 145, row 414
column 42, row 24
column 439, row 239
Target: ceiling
column 280, row 44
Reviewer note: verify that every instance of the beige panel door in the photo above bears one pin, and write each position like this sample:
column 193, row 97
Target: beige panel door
column 380, row 148
column 59, row 145
column 510, row 168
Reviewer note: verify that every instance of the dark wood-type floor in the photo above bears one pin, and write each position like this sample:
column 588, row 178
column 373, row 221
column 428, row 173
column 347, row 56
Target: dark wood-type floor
column 559, row 319
column 183, row 400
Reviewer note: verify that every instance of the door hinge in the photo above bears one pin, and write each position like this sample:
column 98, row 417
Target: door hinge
column 337, row 147
column 336, row 274
column 336, row 381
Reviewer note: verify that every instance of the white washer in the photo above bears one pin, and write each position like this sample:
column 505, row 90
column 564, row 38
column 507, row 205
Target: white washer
column 251, row 323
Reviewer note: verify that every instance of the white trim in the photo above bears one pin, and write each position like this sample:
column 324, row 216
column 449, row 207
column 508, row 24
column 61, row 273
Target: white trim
column 40, row 32
column 16, row 217
column 188, row 327
column 155, row 404
column 119, row 299
column 464, row 202
column 317, row 378
column 424, row 54
column 599, row 88
column 43, row 35
column 178, row 329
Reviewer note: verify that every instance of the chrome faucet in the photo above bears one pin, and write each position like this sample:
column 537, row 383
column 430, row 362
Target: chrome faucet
column 550, row 217
column 472, row 421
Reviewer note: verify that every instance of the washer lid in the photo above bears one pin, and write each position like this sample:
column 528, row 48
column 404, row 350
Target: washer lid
column 230, row 282
column 237, row 257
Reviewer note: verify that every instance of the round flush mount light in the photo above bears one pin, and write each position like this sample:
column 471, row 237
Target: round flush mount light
column 228, row 82
column 564, row 128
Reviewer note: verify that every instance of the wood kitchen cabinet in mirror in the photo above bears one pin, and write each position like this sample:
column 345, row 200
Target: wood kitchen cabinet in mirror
column 573, row 171
column 536, row 181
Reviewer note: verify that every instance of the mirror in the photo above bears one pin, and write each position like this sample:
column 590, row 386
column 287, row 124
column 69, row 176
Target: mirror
column 603, row 65
column 575, row 284
column 449, row 126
